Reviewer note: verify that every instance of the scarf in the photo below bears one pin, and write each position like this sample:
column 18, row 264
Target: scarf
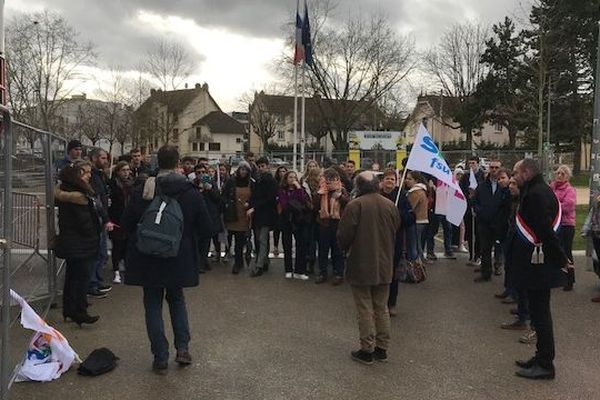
column 330, row 205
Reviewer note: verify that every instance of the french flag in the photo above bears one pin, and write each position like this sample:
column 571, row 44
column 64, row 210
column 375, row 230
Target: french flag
column 299, row 51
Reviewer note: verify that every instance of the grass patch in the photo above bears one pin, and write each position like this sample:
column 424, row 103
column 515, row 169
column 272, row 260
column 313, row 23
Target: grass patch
column 582, row 179
column 579, row 243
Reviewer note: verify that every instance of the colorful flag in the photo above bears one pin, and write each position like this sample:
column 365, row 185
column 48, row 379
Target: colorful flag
column 299, row 51
column 426, row 157
column 49, row 354
column 306, row 40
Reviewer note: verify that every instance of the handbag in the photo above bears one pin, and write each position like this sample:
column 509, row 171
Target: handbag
column 412, row 272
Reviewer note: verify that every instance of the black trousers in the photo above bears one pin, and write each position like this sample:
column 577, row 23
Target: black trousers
column 541, row 319
column 474, row 252
column 287, row 232
column 119, row 247
column 240, row 242
column 77, row 278
column 203, row 247
column 566, row 236
column 486, row 239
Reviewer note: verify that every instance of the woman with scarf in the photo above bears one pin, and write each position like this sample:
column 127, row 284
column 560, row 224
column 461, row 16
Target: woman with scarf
column 333, row 200
column 236, row 197
column 567, row 196
column 417, row 197
column 310, row 183
column 78, row 240
column 120, row 185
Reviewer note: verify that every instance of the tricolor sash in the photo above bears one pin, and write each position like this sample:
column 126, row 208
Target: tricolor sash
column 526, row 233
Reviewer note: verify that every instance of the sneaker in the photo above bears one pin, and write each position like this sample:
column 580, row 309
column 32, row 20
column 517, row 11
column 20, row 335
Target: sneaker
column 97, row 294
column 393, row 310
column 514, row 326
column 321, row 279
column 256, row 273
column 449, row 255
column 117, row 278
column 160, row 367
column 462, row 249
column 302, row 277
column 105, row 288
column 183, row 358
column 289, row 275
column 380, row 354
column 529, row 337
column 362, row 357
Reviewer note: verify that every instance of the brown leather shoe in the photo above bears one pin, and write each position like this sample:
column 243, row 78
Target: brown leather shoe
column 596, row 299
column 337, row 281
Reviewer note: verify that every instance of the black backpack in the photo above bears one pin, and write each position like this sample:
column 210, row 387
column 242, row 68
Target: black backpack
column 99, row 362
column 160, row 229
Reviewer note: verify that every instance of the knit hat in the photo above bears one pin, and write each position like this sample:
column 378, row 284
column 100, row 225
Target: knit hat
column 73, row 144
column 245, row 164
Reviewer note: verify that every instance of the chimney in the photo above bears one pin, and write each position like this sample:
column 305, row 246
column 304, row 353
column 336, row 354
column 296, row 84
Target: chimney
column 186, row 85
column 197, row 86
column 205, row 86
column 152, row 92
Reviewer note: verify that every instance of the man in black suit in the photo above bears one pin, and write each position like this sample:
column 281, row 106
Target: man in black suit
column 539, row 261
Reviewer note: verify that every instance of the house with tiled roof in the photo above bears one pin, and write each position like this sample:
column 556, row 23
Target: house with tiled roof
column 435, row 110
column 274, row 114
column 216, row 135
column 190, row 119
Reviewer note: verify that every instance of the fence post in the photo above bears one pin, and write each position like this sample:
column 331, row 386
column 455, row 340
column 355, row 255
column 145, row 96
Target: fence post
column 5, row 370
column 50, row 231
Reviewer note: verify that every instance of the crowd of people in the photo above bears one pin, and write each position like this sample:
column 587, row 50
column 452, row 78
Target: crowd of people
column 236, row 216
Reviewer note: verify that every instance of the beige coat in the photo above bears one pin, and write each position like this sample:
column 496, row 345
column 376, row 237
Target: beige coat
column 417, row 197
column 367, row 230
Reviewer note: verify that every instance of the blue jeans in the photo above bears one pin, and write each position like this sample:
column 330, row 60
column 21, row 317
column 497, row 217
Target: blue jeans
column 327, row 241
column 414, row 244
column 96, row 278
column 261, row 238
column 153, row 302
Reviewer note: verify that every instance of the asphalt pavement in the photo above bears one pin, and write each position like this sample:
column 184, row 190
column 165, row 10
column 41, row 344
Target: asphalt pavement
column 271, row 338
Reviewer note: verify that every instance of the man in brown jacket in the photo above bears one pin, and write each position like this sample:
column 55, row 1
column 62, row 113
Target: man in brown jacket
column 367, row 230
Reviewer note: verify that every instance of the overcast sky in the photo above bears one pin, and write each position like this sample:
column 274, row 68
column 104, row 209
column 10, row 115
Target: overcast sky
column 235, row 41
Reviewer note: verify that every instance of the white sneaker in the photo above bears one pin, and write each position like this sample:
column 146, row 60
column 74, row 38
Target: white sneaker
column 289, row 275
column 117, row 278
column 462, row 249
column 302, row 277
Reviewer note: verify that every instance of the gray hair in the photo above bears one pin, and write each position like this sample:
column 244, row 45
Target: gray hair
column 366, row 182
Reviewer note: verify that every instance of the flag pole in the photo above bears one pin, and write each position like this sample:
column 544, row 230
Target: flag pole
column 302, row 121
column 401, row 184
column 295, row 156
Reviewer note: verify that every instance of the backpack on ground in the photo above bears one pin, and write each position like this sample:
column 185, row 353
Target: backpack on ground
column 160, row 229
column 99, row 362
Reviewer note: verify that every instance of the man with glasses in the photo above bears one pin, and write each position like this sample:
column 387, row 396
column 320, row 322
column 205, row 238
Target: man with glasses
column 486, row 202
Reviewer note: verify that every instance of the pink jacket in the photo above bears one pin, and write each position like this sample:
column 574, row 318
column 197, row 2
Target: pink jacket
column 568, row 200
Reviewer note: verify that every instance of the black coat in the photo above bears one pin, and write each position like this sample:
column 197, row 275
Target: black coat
column 79, row 224
column 214, row 205
column 487, row 205
column 177, row 272
column 99, row 183
column 264, row 201
column 538, row 207
column 119, row 197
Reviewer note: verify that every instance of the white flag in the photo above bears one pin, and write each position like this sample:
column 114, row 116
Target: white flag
column 426, row 157
column 49, row 354
column 472, row 180
column 441, row 198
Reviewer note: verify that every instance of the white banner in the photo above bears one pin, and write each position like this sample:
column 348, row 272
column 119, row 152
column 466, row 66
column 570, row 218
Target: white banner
column 426, row 157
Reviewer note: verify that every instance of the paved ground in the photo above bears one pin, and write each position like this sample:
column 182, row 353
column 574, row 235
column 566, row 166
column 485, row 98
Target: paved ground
column 269, row 338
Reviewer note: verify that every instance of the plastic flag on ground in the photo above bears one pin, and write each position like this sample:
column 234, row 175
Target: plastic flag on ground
column 49, row 354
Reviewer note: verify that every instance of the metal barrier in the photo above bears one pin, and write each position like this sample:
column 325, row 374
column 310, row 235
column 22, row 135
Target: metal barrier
column 28, row 263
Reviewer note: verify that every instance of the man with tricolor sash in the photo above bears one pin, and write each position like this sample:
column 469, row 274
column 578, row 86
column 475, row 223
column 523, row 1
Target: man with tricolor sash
column 538, row 260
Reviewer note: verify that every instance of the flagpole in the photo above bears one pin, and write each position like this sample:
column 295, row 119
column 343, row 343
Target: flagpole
column 401, row 184
column 302, row 121
column 295, row 156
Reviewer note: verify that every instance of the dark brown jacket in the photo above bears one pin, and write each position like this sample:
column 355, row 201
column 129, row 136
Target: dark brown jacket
column 367, row 230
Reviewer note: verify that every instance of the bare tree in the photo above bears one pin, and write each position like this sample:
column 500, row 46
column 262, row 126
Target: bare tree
column 43, row 53
column 169, row 63
column 113, row 94
column 263, row 121
column 455, row 64
column 90, row 121
column 354, row 68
